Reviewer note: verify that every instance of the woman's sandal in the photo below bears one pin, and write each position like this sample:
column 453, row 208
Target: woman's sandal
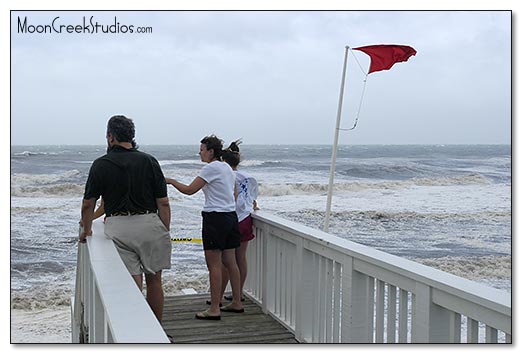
column 206, row 316
column 210, row 303
column 229, row 298
column 229, row 309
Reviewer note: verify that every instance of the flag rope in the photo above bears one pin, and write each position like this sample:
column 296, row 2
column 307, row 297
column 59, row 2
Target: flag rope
column 362, row 95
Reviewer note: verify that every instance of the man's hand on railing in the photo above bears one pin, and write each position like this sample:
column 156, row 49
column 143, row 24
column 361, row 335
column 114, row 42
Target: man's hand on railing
column 83, row 233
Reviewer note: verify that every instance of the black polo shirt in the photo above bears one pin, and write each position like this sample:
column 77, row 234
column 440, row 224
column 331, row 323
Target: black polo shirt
column 127, row 179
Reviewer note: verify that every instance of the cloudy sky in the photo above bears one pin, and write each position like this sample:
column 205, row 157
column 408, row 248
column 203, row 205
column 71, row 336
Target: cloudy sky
column 270, row 77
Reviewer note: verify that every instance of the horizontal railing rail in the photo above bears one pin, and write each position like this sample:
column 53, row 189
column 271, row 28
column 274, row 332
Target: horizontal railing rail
column 108, row 307
column 328, row 289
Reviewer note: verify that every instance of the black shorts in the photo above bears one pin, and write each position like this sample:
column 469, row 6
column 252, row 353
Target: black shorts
column 220, row 230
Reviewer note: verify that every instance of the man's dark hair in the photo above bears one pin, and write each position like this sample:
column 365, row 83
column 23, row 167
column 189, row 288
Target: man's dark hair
column 122, row 129
column 213, row 142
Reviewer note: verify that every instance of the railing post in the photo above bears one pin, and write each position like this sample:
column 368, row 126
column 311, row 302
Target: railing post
column 455, row 327
column 98, row 325
column 264, row 269
column 76, row 301
column 299, row 331
column 305, row 291
column 392, row 314
column 358, row 310
column 431, row 323
column 89, row 307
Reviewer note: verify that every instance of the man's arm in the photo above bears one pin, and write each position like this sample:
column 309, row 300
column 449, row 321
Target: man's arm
column 164, row 211
column 87, row 216
column 100, row 211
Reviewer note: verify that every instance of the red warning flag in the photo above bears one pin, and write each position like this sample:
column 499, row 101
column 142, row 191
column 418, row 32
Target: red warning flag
column 383, row 56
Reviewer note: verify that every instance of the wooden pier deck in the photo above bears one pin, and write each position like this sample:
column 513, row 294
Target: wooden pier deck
column 252, row 326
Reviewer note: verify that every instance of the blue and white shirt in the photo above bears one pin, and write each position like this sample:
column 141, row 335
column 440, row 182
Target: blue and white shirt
column 247, row 192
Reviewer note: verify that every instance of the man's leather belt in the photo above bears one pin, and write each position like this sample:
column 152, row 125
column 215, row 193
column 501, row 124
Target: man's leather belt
column 128, row 213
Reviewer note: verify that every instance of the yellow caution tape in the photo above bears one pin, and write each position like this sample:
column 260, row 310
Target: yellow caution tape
column 187, row 239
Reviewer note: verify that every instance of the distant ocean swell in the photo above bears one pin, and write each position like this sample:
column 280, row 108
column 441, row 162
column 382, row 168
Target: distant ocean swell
column 67, row 184
column 313, row 188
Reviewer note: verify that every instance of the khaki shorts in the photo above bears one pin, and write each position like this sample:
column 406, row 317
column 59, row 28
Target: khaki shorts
column 142, row 241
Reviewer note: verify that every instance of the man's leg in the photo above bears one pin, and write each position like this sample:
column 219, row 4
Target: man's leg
column 155, row 294
column 139, row 281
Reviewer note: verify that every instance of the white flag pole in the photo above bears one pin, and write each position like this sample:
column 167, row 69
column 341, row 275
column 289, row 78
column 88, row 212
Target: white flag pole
column 334, row 147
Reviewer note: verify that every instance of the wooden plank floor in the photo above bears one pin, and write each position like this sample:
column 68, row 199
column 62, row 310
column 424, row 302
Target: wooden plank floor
column 252, row 326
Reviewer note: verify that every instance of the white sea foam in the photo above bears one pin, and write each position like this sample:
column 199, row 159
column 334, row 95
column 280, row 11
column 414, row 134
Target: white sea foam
column 38, row 185
column 51, row 325
column 252, row 163
column 473, row 268
column 281, row 189
column 33, row 179
column 28, row 153
column 164, row 163
column 57, row 190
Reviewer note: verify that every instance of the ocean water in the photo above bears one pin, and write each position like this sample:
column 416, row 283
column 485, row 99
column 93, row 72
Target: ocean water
column 448, row 207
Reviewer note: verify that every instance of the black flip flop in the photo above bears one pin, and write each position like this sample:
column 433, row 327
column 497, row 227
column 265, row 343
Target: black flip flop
column 229, row 298
column 210, row 303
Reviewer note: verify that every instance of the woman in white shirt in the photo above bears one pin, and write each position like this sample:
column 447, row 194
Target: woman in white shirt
column 220, row 226
column 247, row 191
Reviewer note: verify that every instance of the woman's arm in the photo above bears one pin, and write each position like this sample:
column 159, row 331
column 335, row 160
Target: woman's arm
column 195, row 186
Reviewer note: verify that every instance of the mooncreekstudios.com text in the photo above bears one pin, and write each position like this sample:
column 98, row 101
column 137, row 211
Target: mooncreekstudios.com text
column 87, row 26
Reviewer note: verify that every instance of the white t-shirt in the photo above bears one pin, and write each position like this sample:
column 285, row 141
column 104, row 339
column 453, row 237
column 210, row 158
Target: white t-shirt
column 219, row 190
column 246, row 194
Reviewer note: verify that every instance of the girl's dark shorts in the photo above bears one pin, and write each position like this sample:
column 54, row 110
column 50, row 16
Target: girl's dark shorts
column 220, row 230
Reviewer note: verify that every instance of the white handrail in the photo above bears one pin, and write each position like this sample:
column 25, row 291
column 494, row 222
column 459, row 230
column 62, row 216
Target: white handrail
column 321, row 287
column 108, row 307
column 328, row 289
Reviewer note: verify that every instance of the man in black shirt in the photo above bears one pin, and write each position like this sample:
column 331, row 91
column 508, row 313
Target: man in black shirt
column 136, row 203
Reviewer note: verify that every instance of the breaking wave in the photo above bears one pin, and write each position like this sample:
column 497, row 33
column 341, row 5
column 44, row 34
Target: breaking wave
column 33, row 153
column 473, row 268
column 317, row 188
column 404, row 216
column 245, row 163
column 59, row 190
column 68, row 183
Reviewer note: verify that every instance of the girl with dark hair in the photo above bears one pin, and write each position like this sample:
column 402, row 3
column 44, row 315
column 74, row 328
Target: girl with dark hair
column 245, row 204
column 220, row 230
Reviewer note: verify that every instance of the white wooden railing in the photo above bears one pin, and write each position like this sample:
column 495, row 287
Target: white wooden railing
column 327, row 289
column 321, row 287
column 108, row 307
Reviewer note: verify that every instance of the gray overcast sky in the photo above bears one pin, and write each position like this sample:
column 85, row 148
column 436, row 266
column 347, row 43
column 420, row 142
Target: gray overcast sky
column 269, row 77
